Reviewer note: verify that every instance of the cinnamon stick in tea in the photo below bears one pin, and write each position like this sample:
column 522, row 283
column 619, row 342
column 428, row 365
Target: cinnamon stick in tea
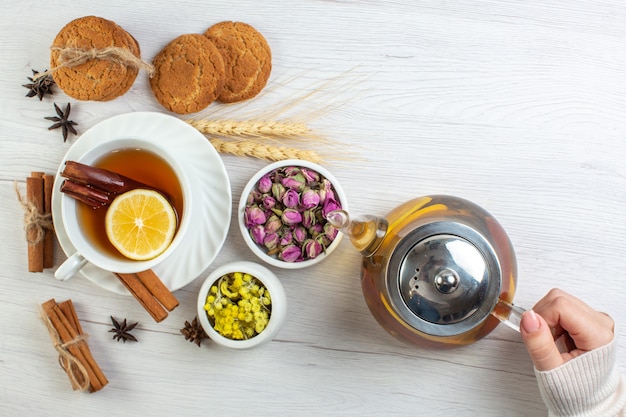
column 97, row 187
column 91, row 196
column 35, row 197
column 102, row 179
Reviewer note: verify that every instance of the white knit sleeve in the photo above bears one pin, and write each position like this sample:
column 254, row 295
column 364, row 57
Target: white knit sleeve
column 586, row 386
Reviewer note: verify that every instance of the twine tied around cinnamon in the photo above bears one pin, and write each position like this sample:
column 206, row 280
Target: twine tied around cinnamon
column 35, row 223
column 71, row 57
column 74, row 368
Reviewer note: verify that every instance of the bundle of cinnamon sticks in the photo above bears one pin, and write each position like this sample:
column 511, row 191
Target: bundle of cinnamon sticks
column 151, row 293
column 96, row 187
column 70, row 342
column 38, row 221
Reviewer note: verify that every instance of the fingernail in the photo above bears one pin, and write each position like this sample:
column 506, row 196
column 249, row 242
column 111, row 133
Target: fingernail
column 530, row 322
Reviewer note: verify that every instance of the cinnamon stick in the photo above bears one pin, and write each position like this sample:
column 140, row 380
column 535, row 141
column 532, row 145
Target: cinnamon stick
column 88, row 195
column 77, row 378
column 34, row 196
column 156, row 287
column 100, row 178
column 68, row 310
column 68, row 333
column 48, row 239
column 65, row 323
column 48, row 242
column 141, row 294
column 97, row 187
column 67, row 307
column 100, row 380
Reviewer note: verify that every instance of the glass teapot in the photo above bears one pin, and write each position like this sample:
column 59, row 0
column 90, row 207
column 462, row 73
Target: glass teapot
column 438, row 271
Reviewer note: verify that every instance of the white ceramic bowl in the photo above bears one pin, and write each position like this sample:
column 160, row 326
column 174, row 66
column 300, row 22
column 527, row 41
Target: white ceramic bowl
column 259, row 250
column 271, row 283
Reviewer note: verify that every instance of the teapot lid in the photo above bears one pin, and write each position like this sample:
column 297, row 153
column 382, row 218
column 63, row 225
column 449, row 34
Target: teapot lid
column 444, row 278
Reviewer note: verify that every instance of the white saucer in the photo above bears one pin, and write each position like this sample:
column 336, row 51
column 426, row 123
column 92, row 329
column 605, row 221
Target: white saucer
column 210, row 216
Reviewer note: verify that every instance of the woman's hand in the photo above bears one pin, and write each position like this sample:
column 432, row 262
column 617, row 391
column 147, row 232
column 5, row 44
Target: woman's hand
column 562, row 319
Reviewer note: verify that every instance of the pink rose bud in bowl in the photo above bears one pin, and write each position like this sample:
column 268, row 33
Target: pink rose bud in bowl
column 282, row 213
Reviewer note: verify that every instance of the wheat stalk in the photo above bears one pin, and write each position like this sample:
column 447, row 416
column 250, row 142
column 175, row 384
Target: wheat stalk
column 252, row 128
column 259, row 135
column 263, row 151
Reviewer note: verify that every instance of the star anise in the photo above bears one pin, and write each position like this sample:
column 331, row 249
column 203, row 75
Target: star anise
column 122, row 330
column 39, row 86
column 194, row 332
column 62, row 121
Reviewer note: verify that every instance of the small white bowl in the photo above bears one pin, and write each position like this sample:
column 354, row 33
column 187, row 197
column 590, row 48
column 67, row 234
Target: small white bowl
column 271, row 283
column 261, row 251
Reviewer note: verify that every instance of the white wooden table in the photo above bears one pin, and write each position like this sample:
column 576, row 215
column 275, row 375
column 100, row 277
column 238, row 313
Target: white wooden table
column 519, row 106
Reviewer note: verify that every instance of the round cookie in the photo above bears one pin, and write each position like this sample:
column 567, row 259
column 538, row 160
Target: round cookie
column 247, row 59
column 127, row 82
column 96, row 79
column 189, row 74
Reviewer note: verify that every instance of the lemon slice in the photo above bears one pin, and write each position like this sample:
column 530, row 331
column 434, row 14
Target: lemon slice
column 140, row 224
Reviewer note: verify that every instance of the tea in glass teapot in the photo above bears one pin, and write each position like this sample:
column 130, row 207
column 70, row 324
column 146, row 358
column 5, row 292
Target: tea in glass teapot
column 438, row 271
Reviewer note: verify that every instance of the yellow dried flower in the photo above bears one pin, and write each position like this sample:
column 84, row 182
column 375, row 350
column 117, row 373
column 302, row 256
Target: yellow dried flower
column 238, row 306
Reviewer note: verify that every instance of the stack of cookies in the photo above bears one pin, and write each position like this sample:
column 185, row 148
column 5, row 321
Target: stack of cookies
column 95, row 79
column 230, row 62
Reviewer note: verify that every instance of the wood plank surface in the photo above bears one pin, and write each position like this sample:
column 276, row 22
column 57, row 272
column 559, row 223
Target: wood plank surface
column 519, row 106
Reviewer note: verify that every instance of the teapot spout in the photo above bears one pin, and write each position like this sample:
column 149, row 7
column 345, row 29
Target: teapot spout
column 366, row 233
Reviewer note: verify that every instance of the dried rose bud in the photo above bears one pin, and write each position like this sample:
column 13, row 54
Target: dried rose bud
column 258, row 234
column 310, row 176
column 296, row 182
column 316, row 229
column 291, row 253
column 273, row 224
column 253, row 215
column 330, row 205
column 268, row 202
column 310, row 199
column 291, row 171
column 323, row 240
column 308, row 218
column 278, row 191
column 326, row 191
column 299, row 234
column 271, row 240
column 330, row 231
column 253, row 197
column 294, row 202
column 265, row 184
column 291, row 217
column 286, row 239
column 312, row 249
column 291, row 199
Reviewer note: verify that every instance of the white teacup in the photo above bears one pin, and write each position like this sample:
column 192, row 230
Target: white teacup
column 87, row 249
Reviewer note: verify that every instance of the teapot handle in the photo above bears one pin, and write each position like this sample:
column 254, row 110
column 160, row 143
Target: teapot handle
column 509, row 314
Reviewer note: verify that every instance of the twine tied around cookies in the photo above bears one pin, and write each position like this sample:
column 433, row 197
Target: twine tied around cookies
column 35, row 223
column 76, row 371
column 71, row 57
